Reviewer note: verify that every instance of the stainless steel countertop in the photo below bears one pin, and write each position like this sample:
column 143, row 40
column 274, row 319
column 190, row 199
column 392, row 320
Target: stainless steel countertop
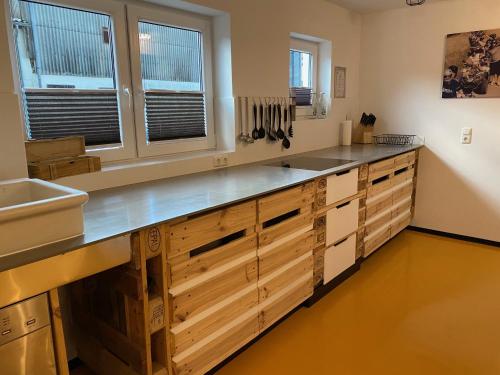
column 117, row 211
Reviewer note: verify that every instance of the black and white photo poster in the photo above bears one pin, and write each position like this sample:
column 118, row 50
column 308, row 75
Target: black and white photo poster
column 472, row 65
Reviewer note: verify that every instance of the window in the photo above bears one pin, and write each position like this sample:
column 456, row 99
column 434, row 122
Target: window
column 303, row 70
column 171, row 70
column 76, row 76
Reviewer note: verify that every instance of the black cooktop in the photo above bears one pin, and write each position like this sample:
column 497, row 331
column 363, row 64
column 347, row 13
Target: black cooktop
column 311, row 164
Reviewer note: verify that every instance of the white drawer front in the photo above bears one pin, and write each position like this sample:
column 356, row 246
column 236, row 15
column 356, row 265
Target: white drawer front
column 339, row 258
column 341, row 186
column 341, row 221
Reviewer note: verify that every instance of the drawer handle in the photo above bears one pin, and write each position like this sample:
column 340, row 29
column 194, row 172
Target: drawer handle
column 340, row 242
column 343, row 205
column 342, row 173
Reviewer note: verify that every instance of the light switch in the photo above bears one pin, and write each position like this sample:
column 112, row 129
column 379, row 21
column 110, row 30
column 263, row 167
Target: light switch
column 466, row 136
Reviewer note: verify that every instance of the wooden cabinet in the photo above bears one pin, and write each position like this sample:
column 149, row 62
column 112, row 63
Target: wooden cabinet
column 390, row 199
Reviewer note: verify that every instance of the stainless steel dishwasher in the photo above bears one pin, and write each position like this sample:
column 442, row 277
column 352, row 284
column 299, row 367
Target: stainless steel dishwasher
column 26, row 346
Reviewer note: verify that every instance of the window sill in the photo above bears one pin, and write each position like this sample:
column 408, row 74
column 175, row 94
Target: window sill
column 139, row 170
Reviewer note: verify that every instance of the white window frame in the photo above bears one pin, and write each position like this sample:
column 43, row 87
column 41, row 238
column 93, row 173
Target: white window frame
column 116, row 10
column 179, row 19
column 311, row 47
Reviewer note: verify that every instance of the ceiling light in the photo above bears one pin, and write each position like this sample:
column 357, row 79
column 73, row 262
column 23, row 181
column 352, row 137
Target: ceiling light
column 414, row 2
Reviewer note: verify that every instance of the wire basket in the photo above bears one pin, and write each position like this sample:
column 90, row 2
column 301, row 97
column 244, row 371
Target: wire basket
column 393, row 139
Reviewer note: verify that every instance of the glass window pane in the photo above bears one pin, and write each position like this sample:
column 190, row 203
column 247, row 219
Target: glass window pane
column 66, row 66
column 60, row 47
column 300, row 69
column 171, row 58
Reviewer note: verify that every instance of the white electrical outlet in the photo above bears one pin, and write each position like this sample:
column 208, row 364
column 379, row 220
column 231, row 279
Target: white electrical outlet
column 221, row 161
column 466, row 136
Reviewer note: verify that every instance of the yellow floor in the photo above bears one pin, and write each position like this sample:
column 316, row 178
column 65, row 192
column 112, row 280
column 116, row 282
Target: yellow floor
column 421, row 305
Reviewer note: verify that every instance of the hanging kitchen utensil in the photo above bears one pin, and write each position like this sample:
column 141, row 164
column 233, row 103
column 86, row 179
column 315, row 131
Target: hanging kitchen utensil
column 248, row 139
column 241, row 137
column 262, row 132
column 269, row 120
column 255, row 132
column 273, row 122
column 279, row 133
column 290, row 128
column 286, row 141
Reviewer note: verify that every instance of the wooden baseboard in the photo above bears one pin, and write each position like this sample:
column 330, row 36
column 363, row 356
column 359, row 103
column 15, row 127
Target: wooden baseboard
column 455, row 236
column 323, row 290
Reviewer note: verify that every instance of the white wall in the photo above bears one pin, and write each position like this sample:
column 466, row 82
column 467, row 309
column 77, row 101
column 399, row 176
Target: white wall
column 12, row 156
column 260, row 33
column 401, row 69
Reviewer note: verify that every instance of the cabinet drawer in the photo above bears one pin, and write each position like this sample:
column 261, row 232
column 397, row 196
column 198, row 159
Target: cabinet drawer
column 277, row 204
column 283, row 277
column 380, row 169
column 339, row 257
column 201, row 230
column 186, row 302
column 196, row 264
column 341, row 186
column 341, row 221
column 188, row 334
column 284, row 229
column 273, row 258
column 211, row 350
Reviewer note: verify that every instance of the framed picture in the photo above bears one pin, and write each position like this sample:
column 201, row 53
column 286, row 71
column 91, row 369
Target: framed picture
column 472, row 65
column 340, row 82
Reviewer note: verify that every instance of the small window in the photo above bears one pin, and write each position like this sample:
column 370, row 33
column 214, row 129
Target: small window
column 171, row 69
column 67, row 73
column 303, row 71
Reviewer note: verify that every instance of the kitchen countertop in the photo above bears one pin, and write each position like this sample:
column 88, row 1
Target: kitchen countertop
column 118, row 211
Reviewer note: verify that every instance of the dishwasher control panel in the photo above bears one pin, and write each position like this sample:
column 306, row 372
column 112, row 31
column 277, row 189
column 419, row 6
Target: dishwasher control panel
column 23, row 317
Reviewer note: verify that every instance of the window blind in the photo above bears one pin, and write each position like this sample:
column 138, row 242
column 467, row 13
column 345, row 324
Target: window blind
column 302, row 95
column 59, row 113
column 175, row 115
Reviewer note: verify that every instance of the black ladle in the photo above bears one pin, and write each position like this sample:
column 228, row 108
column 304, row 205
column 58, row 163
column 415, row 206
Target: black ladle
column 255, row 132
column 280, row 133
column 262, row 131
column 286, row 141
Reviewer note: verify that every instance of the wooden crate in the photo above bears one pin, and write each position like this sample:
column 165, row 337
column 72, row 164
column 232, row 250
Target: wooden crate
column 123, row 312
column 50, row 159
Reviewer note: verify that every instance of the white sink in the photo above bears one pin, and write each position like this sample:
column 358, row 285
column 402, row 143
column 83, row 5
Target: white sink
column 35, row 212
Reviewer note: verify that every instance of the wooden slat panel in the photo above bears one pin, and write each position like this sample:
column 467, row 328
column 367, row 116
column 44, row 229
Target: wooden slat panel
column 201, row 230
column 374, row 243
column 402, row 177
column 401, row 224
column 198, row 265
column 376, row 207
column 402, row 193
column 378, row 188
column 211, row 354
column 398, row 210
column 194, row 333
column 280, row 203
column 380, row 222
column 279, row 256
column 404, row 160
column 199, row 298
column 380, row 169
column 271, row 234
column 270, row 314
column 281, row 281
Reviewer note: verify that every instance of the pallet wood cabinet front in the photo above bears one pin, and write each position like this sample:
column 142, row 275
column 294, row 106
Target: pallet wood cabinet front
column 390, row 199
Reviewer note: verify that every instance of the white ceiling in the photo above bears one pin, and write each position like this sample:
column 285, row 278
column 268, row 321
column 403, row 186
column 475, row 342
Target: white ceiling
column 368, row 6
